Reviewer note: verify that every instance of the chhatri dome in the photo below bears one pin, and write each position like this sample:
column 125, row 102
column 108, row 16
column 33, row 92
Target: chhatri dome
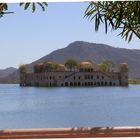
column 61, row 67
column 86, row 64
column 124, row 67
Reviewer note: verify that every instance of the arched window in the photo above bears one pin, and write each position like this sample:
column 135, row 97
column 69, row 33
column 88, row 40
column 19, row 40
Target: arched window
column 102, row 84
column 110, row 83
column 75, row 84
column 71, row 84
column 98, row 83
column 79, row 84
column 66, row 84
column 88, row 70
column 54, row 84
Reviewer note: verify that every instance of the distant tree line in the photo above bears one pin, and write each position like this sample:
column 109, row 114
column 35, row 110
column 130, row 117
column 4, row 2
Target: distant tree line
column 134, row 81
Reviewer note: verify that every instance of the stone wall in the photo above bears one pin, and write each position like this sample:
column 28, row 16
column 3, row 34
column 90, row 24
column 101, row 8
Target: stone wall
column 68, row 78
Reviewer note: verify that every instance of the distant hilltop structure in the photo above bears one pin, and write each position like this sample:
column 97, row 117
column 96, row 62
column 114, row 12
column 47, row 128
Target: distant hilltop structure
column 72, row 74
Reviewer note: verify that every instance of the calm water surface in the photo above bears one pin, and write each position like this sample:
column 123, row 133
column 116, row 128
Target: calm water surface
column 36, row 107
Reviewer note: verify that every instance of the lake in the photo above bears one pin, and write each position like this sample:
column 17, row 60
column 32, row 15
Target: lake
column 42, row 107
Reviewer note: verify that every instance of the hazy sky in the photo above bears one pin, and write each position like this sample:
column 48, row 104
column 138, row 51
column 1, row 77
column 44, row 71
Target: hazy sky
column 26, row 37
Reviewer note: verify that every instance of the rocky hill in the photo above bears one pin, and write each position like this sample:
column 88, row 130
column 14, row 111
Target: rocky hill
column 7, row 71
column 81, row 51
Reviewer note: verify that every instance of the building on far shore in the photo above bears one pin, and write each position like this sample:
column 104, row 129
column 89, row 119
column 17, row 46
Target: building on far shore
column 85, row 74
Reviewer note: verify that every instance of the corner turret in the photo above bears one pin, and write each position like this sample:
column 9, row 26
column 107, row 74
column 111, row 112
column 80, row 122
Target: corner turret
column 123, row 74
column 23, row 71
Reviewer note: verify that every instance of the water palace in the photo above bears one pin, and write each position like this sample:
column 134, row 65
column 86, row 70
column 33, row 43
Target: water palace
column 50, row 74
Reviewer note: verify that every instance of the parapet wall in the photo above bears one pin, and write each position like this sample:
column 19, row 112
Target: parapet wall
column 95, row 132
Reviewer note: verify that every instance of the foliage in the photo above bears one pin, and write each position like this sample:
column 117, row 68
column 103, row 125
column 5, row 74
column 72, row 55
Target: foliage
column 102, row 67
column 105, row 66
column 3, row 8
column 49, row 66
column 38, row 68
column 123, row 67
column 123, row 15
column 58, row 67
column 71, row 64
column 134, row 81
column 109, row 64
column 33, row 5
column 23, row 68
column 55, row 67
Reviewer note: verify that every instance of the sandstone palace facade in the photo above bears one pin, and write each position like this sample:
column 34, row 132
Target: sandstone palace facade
column 85, row 74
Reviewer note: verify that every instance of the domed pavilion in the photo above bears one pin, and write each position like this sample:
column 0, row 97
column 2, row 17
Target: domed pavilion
column 86, row 66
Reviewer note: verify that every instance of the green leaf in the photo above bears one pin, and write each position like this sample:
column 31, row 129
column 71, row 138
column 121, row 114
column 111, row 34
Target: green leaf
column 126, row 34
column 27, row 5
column 33, row 7
column 105, row 19
column 130, row 37
column 45, row 3
column 122, row 15
column 21, row 3
column 41, row 5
